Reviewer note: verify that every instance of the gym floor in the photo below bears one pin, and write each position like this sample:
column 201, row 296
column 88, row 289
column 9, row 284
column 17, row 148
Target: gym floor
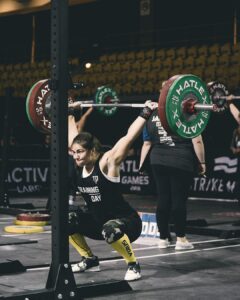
column 210, row 270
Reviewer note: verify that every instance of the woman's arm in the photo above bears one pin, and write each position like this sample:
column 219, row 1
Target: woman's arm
column 72, row 130
column 144, row 152
column 199, row 149
column 233, row 109
column 235, row 112
column 82, row 122
column 120, row 150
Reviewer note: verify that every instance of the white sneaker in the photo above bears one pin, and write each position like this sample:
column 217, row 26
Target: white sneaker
column 133, row 272
column 163, row 243
column 183, row 244
column 87, row 263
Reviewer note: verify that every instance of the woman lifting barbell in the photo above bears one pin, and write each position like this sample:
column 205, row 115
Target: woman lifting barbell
column 108, row 217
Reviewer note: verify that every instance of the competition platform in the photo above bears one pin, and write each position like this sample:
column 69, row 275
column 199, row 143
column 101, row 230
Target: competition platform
column 209, row 270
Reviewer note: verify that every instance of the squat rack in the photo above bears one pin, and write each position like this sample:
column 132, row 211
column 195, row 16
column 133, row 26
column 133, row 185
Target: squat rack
column 61, row 283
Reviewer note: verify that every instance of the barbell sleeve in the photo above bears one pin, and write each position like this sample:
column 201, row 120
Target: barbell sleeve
column 208, row 107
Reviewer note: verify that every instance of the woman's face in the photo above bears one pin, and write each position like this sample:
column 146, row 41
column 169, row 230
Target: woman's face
column 81, row 155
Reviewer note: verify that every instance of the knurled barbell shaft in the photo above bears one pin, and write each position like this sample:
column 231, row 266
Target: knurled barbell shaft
column 79, row 104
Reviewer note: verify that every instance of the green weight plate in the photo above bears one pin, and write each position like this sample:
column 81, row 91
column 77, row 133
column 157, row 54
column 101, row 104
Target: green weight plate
column 176, row 93
column 106, row 95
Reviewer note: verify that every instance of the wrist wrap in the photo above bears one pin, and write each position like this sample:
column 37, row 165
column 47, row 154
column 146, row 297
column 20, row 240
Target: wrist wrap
column 145, row 113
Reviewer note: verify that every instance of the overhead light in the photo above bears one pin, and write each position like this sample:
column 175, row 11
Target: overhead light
column 88, row 65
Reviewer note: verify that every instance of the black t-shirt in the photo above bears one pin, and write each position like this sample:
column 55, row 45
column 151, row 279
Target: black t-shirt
column 102, row 196
column 166, row 150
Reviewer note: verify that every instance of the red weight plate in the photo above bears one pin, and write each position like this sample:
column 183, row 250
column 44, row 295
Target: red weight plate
column 33, row 217
column 162, row 103
column 35, row 106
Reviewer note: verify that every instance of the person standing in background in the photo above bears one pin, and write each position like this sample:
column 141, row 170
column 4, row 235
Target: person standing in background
column 173, row 162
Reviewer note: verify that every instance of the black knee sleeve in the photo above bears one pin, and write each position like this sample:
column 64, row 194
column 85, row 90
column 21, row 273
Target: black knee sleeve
column 112, row 231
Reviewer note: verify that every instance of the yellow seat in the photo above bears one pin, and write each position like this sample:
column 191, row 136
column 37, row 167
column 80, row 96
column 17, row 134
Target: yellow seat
column 171, row 53
column 175, row 71
column 2, row 68
column 44, row 73
column 152, row 76
column 146, row 65
column 141, row 77
column 17, row 67
column 103, row 58
column 178, row 62
column 224, row 59
column 138, row 88
column 126, row 66
column 212, row 60
column 236, row 48
column 167, row 63
column 189, row 62
column 200, row 61
column 160, row 53
column 148, row 87
column 130, row 56
column 198, row 71
column 150, row 54
column 121, row 57
column 214, row 49
column 98, row 68
column 140, row 55
column 221, row 74
column 118, row 88
column 235, row 59
column 158, row 86
column 188, row 70
column 156, row 65
column 111, row 78
column 136, row 66
column 9, row 67
column 181, row 52
column 192, row 51
column 209, row 74
column 127, row 88
column 107, row 67
column 132, row 77
column 116, row 67
column 226, row 48
column 163, row 75
column 89, row 91
column 233, row 80
column 101, row 79
column 42, row 64
column 112, row 58
column 91, row 79
column 202, row 50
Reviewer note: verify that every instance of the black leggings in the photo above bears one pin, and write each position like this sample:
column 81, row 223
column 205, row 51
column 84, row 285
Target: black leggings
column 172, row 188
column 84, row 223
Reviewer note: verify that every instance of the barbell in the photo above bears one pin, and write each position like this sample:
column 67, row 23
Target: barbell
column 184, row 104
